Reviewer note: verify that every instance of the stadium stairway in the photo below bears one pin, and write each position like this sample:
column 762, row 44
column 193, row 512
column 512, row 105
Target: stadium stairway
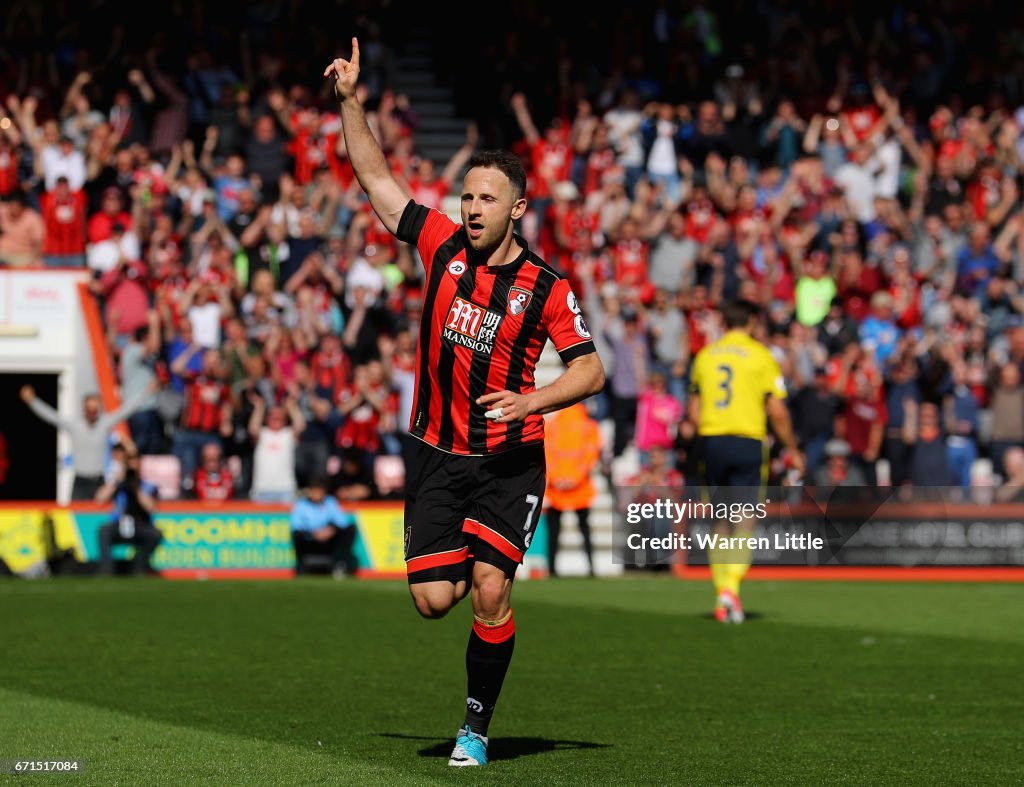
column 439, row 133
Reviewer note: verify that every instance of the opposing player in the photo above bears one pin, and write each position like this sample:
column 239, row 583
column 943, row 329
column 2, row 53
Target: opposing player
column 474, row 492
column 736, row 386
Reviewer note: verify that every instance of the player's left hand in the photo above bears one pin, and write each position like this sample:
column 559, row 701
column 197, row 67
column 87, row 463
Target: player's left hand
column 513, row 406
column 346, row 72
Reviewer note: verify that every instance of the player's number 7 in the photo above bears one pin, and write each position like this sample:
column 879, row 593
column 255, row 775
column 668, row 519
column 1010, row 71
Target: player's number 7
column 532, row 501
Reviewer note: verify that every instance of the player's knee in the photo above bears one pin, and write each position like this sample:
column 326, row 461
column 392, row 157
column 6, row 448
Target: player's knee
column 432, row 603
column 490, row 595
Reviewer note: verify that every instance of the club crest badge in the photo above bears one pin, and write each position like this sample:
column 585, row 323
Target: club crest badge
column 518, row 300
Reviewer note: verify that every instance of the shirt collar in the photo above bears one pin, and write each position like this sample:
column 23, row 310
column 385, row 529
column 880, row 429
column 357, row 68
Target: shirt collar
column 509, row 267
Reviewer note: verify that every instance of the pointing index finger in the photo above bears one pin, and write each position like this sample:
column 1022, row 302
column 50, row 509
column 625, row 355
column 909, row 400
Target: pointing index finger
column 355, row 51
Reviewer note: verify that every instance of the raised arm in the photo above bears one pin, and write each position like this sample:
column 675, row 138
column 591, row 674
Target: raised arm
column 42, row 409
column 127, row 408
column 525, row 119
column 813, row 134
column 386, row 195
column 259, row 410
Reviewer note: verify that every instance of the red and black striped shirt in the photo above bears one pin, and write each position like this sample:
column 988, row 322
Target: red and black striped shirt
column 483, row 330
column 202, row 409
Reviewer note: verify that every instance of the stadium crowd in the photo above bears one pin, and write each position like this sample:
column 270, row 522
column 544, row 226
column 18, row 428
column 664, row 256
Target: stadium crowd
column 872, row 208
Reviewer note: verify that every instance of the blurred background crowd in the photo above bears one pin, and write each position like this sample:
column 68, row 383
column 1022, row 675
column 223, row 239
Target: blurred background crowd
column 854, row 171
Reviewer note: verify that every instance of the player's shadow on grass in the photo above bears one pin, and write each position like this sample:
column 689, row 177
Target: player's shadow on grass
column 501, row 748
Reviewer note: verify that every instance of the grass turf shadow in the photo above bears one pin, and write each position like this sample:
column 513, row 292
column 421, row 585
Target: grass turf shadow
column 501, row 748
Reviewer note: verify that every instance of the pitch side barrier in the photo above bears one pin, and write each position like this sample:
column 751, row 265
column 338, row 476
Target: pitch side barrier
column 231, row 540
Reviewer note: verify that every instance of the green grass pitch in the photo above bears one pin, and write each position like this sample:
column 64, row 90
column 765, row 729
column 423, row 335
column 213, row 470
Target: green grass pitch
column 622, row 681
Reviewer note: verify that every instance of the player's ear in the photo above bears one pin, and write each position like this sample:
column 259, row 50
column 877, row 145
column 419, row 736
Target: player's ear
column 518, row 208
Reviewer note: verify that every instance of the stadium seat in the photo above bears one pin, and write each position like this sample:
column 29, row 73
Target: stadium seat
column 164, row 471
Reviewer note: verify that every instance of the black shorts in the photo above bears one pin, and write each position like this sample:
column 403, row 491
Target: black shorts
column 733, row 467
column 464, row 508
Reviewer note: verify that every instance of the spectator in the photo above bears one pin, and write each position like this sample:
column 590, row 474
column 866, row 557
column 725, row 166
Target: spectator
column 90, row 436
column 1007, row 406
column 962, row 419
column 428, row 187
column 134, row 503
column 322, row 422
column 837, row 469
column 367, row 410
column 815, row 290
column 124, row 288
column 814, row 408
column 128, row 109
column 138, row 373
column 629, row 374
column 273, row 477
column 265, row 151
column 21, row 233
column 354, row 480
column 205, row 413
column 1012, row 488
column 321, row 527
column 862, row 424
column 669, row 338
column 657, row 416
column 624, row 121
column 572, row 447
column 213, row 481
column 656, row 477
column 207, row 305
column 663, row 148
column 673, row 257
column 688, row 455
column 977, row 261
column 837, row 330
column 900, row 437
column 923, row 432
column 62, row 160
column 119, row 245
column 63, row 213
column 101, row 225
column 879, row 331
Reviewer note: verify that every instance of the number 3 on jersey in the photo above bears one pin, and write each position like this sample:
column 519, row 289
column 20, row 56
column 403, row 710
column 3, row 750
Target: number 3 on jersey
column 725, row 384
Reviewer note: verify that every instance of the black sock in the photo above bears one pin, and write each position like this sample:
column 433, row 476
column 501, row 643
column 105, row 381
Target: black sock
column 486, row 665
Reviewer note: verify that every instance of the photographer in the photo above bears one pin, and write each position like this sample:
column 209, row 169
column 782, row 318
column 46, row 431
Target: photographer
column 134, row 503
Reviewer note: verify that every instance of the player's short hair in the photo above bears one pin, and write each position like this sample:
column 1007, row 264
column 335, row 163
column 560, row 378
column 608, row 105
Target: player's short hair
column 737, row 314
column 507, row 163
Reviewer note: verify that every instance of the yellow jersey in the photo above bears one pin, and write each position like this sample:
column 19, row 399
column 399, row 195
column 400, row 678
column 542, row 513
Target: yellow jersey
column 733, row 376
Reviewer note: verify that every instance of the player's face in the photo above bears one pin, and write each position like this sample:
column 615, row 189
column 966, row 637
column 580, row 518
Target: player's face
column 488, row 207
